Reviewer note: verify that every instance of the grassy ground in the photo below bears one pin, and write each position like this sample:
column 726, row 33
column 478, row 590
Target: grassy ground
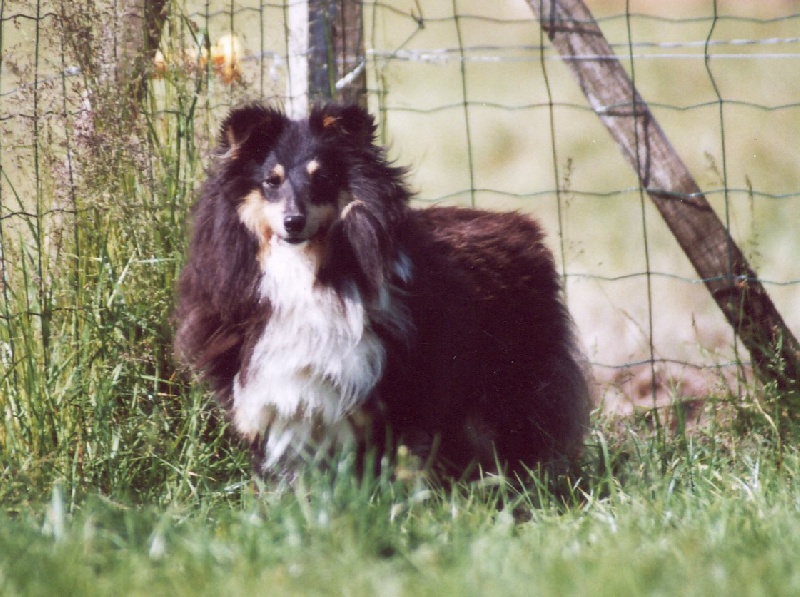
column 117, row 478
column 688, row 517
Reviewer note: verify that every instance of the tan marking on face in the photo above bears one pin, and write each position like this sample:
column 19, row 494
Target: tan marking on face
column 278, row 172
column 319, row 218
column 250, row 214
column 312, row 167
column 329, row 121
column 258, row 216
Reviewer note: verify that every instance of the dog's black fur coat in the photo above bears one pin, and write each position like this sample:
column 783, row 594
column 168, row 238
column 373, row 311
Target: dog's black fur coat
column 481, row 367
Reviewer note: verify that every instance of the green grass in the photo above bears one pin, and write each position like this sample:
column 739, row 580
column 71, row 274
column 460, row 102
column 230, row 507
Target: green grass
column 117, row 477
column 702, row 520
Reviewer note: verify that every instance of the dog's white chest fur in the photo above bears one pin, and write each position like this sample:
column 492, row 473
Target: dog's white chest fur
column 316, row 362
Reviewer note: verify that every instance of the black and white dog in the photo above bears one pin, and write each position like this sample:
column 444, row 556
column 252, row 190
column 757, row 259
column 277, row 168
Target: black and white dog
column 325, row 312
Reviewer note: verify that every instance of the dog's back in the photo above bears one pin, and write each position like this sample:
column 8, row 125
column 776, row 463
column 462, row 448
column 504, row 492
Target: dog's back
column 494, row 374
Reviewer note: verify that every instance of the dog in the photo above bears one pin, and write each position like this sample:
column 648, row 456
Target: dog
column 327, row 314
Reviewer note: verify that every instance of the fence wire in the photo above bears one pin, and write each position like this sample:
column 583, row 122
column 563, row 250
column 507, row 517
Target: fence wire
column 469, row 94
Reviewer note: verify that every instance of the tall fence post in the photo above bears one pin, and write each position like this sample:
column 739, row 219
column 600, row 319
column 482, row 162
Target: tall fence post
column 336, row 57
column 143, row 21
column 327, row 61
column 297, row 80
column 731, row 281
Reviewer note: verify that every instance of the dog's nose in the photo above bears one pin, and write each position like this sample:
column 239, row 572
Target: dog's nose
column 294, row 223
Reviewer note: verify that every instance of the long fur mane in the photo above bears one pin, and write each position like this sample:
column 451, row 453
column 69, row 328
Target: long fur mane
column 219, row 302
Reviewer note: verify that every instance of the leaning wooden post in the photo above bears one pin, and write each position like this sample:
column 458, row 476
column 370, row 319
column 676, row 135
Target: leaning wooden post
column 733, row 284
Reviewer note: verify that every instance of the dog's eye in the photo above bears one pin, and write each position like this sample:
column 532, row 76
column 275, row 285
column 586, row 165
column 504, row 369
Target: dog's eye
column 275, row 177
column 273, row 181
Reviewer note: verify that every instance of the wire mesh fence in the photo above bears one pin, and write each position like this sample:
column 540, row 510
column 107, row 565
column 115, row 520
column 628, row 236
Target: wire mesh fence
column 95, row 189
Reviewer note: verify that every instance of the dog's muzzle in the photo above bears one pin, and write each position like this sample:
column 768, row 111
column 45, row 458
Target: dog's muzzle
column 294, row 225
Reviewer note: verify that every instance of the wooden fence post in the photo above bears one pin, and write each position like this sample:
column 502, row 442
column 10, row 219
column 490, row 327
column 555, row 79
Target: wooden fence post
column 143, row 21
column 336, row 57
column 731, row 281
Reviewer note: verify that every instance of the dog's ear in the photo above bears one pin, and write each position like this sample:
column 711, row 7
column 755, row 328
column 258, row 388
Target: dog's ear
column 348, row 123
column 256, row 126
column 357, row 249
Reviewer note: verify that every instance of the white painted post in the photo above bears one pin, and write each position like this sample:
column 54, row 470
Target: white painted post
column 297, row 81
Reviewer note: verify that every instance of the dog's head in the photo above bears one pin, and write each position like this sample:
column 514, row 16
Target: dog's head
column 319, row 184
column 290, row 180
